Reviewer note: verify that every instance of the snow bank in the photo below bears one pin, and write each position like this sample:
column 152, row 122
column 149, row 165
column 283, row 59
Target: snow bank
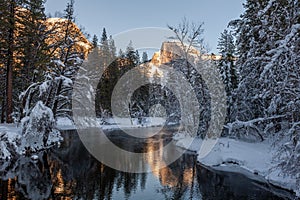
column 64, row 123
column 38, row 130
column 36, row 133
column 111, row 123
column 9, row 137
column 124, row 123
column 254, row 160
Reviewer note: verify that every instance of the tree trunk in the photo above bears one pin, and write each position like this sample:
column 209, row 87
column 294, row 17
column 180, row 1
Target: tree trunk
column 56, row 97
column 3, row 110
column 9, row 69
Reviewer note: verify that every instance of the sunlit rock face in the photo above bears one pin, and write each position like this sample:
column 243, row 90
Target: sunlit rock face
column 171, row 50
column 81, row 43
column 57, row 28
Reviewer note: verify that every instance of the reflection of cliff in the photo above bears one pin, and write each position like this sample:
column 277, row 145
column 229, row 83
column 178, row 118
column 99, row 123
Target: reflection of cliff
column 70, row 172
column 171, row 176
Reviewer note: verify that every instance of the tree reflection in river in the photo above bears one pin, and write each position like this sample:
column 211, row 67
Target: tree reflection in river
column 70, row 172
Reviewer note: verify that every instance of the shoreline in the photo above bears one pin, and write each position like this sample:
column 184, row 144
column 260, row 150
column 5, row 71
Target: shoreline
column 253, row 160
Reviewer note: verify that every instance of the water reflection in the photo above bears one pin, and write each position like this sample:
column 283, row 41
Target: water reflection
column 70, row 172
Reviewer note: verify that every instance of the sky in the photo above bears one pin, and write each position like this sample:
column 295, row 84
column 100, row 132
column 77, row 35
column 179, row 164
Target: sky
column 120, row 15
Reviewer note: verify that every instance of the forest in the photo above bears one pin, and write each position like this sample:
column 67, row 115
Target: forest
column 258, row 64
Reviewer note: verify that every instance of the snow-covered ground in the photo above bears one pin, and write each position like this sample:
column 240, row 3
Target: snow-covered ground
column 110, row 123
column 9, row 135
column 254, row 160
column 12, row 144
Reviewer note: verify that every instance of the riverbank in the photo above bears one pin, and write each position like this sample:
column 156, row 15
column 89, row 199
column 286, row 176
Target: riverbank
column 10, row 134
column 111, row 124
column 254, row 160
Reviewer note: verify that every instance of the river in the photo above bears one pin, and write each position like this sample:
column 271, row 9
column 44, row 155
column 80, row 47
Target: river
column 71, row 172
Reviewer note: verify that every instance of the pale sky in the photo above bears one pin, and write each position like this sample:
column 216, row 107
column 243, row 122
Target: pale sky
column 121, row 15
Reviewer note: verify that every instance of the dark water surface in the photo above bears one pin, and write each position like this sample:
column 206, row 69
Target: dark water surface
column 70, row 172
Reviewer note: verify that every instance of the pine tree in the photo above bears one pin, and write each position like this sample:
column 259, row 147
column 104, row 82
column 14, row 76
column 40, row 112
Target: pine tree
column 226, row 44
column 112, row 48
column 132, row 56
column 56, row 86
column 8, row 47
column 34, row 50
column 268, row 90
column 104, row 48
column 145, row 57
column 227, row 66
column 95, row 41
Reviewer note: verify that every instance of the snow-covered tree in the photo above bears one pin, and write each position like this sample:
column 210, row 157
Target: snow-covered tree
column 267, row 100
column 267, row 62
column 145, row 57
column 227, row 65
column 24, row 51
column 56, row 88
column 116, row 69
column 38, row 130
column 189, row 38
column 112, row 48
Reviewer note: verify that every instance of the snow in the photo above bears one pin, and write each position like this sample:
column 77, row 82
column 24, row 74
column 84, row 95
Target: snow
column 55, row 20
column 9, row 136
column 255, row 160
column 38, row 129
column 34, row 157
column 35, row 134
column 64, row 123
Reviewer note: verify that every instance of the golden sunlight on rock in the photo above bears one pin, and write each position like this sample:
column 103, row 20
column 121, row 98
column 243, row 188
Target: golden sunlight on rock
column 59, row 25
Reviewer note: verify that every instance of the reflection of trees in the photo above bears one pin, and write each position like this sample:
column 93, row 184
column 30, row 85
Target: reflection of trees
column 179, row 178
column 32, row 179
column 67, row 173
column 74, row 172
column 70, row 172
column 226, row 185
column 84, row 177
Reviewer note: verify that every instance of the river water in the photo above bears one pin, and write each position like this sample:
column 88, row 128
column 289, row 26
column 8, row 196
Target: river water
column 71, row 172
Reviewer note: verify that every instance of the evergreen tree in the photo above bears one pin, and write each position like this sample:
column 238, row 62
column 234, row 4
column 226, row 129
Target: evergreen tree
column 112, row 48
column 226, row 44
column 56, row 87
column 104, row 48
column 35, row 51
column 24, row 49
column 145, row 57
column 9, row 47
column 95, row 41
column 267, row 94
column 227, row 66
column 132, row 56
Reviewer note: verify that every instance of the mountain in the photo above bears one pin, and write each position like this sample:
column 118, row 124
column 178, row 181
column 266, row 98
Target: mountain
column 58, row 25
column 171, row 50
